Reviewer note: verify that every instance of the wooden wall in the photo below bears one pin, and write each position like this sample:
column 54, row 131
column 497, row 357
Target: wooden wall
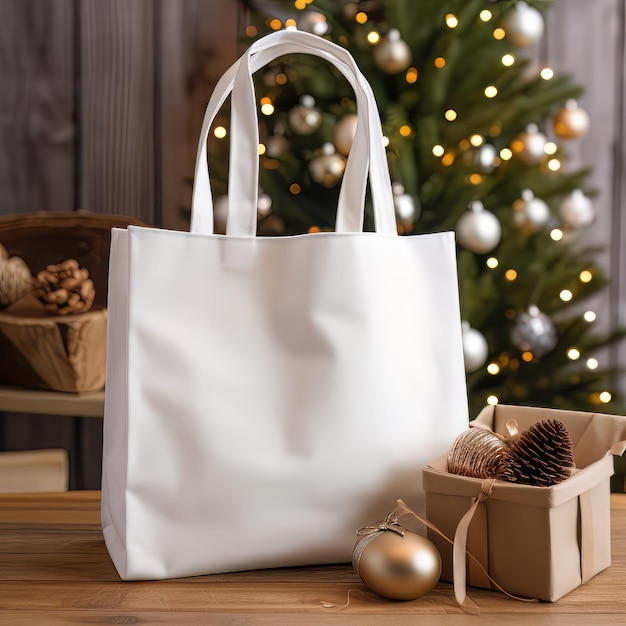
column 101, row 103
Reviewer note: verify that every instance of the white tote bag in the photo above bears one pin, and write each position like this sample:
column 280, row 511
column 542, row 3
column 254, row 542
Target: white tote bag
column 266, row 397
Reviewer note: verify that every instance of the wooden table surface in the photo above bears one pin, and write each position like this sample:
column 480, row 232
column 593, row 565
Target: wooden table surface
column 54, row 569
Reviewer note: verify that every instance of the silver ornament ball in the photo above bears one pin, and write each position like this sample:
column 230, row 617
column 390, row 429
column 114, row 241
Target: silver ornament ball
column 275, row 146
column 577, row 210
column 531, row 213
column 392, row 54
column 475, row 348
column 406, row 207
column 305, row 118
column 327, row 167
column 534, row 332
column 478, row 230
column 482, row 158
column 523, row 24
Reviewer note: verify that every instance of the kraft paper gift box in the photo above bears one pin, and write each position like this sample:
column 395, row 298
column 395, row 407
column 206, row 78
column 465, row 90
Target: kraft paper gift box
column 539, row 542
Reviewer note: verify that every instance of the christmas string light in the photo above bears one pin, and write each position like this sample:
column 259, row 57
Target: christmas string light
column 373, row 37
column 499, row 34
column 493, row 369
column 450, row 115
column 566, row 295
column 505, row 154
column 556, row 234
column 485, row 15
column 361, row 17
column 546, row 73
column 592, row 363
column 508, row 60
column 554, row 165
column 438, row 150
column 492, row 400
column 411, row 75
column 219, row 132
column 491, row 91
column 585, row 276
column 492, row 262
column 451, row 20
column 573, row 354
column 589, row 316
column 550, row 148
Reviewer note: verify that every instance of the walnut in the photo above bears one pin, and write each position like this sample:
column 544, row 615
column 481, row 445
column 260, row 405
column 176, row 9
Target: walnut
column 65, row 288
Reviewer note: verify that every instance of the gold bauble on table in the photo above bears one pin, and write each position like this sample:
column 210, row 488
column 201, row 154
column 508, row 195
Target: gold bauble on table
column 572, row 122
column 399, row 566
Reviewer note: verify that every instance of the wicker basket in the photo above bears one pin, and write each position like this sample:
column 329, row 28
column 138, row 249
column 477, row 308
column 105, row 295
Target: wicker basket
column 62, row 353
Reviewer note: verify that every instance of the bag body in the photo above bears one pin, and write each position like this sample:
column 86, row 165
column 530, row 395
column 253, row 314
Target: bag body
column 265, row 396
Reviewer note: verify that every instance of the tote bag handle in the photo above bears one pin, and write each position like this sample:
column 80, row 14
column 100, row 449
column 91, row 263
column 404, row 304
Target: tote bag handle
column 368, row 141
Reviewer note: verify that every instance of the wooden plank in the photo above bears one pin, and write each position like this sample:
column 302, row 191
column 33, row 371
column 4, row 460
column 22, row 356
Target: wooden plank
column 20, row 400
column 197, row 43
column 36, row 106
column 76, row 583
column 581, row 40
column 193, row 618
column 117, row 108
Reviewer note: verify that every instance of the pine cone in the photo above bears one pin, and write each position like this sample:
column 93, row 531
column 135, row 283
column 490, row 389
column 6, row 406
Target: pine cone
column 542, row 456
column 65, row 288
column 477, row 453
column 15, row 278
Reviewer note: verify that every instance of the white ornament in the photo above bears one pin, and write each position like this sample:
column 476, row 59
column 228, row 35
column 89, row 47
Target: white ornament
column 529, row 145
column 327, row 167
column 314, row 22
column 531, row 214
column 220, row 215
column 305, row 118
column 475, row 348
column 577, row 210
column 263, row 205
column 275, row 146
column 220, row 211
column 404, row 206
column 572, row 122
column 392, row 55
column 478, row 230
column 523, row 25
column 484, row 158
column 345, row 130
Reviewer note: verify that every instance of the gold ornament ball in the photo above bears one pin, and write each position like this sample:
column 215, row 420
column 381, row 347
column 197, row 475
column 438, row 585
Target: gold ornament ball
column 529, row 145
column 572, row 122
column 400, row 567
column 392, row 55
column 327, row 167
column 344, row 133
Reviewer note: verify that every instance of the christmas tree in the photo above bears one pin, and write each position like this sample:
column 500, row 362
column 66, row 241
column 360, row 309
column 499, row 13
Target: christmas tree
column 465, row 111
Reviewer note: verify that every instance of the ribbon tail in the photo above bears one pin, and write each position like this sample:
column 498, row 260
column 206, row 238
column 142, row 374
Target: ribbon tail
column 459, row 563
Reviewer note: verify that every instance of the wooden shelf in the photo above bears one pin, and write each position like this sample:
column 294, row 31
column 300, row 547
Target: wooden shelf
column 21, row 400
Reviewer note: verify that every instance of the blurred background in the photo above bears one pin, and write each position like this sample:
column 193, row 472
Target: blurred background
column 101, row 102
